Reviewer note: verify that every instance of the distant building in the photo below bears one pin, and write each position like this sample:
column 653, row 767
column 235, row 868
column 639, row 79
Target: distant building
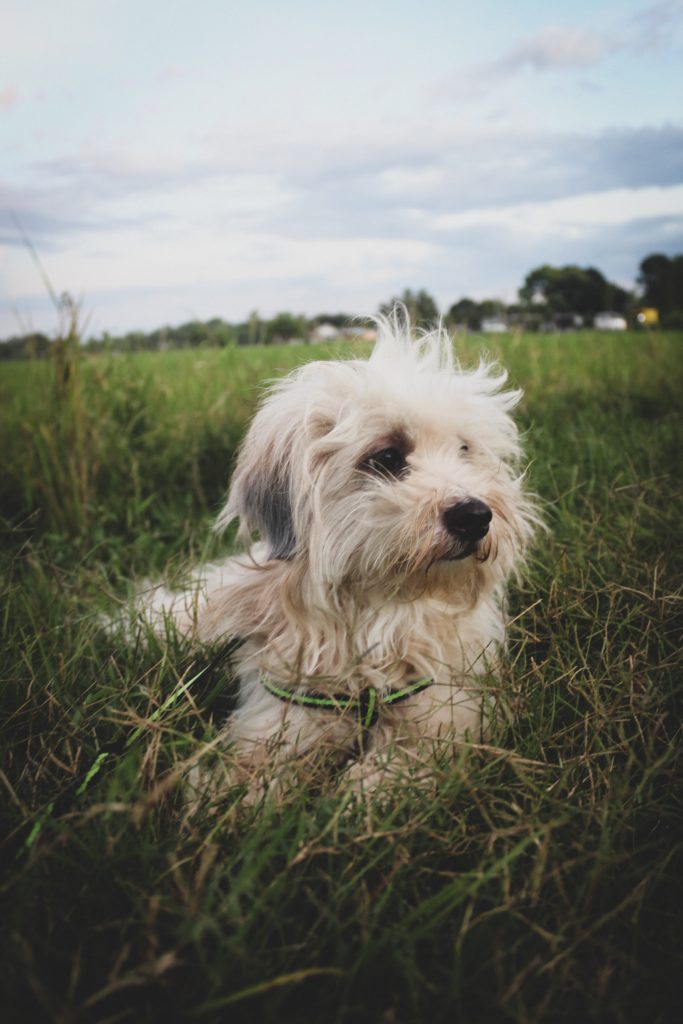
column 328, row 332
column 609, row 322
column 325, row 332
column 360, row 333
column 494, row 325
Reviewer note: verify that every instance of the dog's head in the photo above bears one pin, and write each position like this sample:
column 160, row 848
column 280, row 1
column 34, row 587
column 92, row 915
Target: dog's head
column 392, row 474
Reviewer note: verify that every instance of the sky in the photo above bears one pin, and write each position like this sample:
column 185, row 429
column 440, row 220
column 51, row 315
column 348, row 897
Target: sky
column 172, row 160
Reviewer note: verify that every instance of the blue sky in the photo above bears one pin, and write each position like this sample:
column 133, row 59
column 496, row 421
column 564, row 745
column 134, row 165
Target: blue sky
column 172, row 160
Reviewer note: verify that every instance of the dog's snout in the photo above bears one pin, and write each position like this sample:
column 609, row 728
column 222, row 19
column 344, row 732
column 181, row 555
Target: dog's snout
column 468, row 519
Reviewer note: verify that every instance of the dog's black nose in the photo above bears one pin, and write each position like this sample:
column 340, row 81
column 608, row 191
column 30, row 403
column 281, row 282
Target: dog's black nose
column 468, row 519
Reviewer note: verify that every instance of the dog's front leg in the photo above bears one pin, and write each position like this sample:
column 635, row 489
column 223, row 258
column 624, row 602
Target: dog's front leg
column 389, row 771
column 248, row 772
column 268, row 752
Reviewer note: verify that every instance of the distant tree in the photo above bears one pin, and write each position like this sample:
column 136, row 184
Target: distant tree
column 489, row 308
column 465, row 312
column 617, row 298
column 661, row 282
column 572, row 289
column 284, row 327
column 524, row 317
column 336, row 319
column 220, row 333
column 134, row 341
column 26, row 346
column 190, row 335
column 255, row 330
column 421, row 307
column 674, row 317
column 653, row 280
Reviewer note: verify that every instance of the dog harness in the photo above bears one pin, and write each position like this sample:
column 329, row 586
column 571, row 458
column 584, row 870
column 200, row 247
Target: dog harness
column 366, row 705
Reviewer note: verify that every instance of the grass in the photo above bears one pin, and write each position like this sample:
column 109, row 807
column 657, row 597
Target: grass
column 543, row 883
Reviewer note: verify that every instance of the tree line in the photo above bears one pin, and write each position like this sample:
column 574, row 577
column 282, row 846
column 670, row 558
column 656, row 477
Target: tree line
column 549, row 298
column 557, row 296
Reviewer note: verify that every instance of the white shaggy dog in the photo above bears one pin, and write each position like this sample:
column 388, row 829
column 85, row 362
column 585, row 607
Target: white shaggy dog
column 390, row 513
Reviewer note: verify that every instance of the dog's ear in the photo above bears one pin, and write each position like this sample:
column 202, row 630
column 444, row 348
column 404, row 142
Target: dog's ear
column 263, row 492
column 260, row 493
column 271, row 485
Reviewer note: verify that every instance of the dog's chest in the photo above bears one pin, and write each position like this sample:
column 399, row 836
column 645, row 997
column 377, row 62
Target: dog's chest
column 384, row 647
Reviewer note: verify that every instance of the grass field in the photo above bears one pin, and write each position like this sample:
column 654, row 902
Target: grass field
column 544, row 881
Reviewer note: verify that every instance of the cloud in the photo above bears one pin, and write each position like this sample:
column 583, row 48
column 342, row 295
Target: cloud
column 223, row 229
column 384, row 188
column 486, row 261
column 405, row 193
column 573, row 217
column 553, row 48
column 557, row 48
column 216, row 275
column 479, row 260
column 654, row 27
column 136, row 254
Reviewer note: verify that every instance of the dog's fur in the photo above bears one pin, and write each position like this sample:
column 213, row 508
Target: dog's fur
column 356, row 579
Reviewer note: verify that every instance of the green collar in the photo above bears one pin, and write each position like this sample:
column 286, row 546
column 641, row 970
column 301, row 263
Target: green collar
column 366, row 704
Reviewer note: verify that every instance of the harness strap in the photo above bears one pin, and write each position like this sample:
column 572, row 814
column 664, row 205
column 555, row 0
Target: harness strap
column 366, row 704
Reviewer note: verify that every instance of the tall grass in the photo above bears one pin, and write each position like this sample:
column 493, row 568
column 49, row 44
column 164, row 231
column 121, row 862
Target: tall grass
column 541, row 882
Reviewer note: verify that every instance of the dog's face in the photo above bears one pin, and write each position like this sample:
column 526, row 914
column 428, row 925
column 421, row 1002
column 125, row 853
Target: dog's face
column 392, row 475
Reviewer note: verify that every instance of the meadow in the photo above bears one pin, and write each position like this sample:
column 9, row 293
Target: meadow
column 542, row 883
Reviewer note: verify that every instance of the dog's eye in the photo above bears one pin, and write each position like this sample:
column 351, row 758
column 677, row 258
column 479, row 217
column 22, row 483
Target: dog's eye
column 387, row 462
column 464, row 447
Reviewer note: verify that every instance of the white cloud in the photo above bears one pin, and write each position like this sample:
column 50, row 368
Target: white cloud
column 131, row 257
column 572, row 216
column 561, row 48
column 554, row 48
column 654, row 27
